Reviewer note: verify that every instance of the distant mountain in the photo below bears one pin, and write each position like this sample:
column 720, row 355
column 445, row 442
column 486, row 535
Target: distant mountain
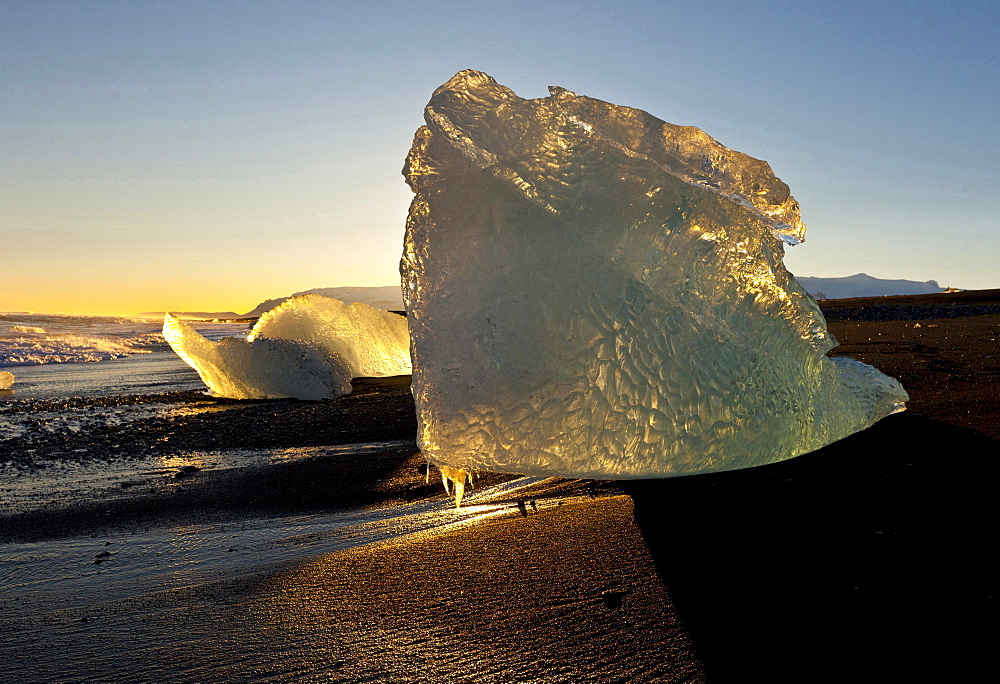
column 864, row 285
column 388, row 297
column 197, row 315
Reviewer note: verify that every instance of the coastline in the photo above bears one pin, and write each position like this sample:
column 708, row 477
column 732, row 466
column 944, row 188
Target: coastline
column 868, row 560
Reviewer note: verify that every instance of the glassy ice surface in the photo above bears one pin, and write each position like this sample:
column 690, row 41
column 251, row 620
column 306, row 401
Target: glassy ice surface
column 594, row 292
column 373, row 342
column 265, row 368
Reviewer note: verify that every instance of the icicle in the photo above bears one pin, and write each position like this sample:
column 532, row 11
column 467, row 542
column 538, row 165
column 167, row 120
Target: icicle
column 457, row 477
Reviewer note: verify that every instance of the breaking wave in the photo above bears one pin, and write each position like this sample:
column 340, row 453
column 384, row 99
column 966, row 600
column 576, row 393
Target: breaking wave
column 30, row 339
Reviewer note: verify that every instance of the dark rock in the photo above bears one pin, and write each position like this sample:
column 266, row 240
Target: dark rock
column 613, row 598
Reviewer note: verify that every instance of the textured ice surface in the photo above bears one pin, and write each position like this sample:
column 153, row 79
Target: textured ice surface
column 6, row 380
column 372, row 342
column 262, row 369
column 594, row 292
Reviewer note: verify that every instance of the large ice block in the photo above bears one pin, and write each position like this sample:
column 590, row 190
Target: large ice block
column 266, row 368
column 594, row 292
column 373, row 342
column 6, row 380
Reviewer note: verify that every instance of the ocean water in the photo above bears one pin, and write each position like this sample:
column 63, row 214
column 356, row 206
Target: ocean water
column 54, row 355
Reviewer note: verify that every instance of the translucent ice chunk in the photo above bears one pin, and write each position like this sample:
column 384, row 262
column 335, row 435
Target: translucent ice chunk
column 594, row 292
column 457, row 478
column 6, row 380
column 372, row 342
column 262, row 369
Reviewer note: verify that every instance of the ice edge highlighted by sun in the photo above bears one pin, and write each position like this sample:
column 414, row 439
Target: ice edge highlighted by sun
column 594, row 292
column 309, row 347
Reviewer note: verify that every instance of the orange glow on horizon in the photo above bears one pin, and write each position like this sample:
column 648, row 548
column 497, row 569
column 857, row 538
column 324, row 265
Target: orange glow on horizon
column 129, row 301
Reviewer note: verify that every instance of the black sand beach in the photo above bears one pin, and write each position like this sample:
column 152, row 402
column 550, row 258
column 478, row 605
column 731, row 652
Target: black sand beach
column 870, row 560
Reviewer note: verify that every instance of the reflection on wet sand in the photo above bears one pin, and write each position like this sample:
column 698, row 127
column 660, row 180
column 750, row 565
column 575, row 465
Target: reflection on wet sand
column 198, row 409
column 485, row 603
column 404, row 592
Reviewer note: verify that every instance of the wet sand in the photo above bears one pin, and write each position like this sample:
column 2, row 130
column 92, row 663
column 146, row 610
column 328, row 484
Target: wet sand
column 869, row 560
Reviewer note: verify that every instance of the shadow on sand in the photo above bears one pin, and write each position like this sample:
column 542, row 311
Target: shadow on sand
column 312, row 485
column 872, row 559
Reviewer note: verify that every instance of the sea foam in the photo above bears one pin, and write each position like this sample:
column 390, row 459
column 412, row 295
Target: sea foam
column 31, row 339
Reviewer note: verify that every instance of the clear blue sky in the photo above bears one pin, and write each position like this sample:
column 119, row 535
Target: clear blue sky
column 208, row 155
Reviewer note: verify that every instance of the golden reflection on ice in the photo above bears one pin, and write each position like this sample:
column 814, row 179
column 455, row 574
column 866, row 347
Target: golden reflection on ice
column 458, row 479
